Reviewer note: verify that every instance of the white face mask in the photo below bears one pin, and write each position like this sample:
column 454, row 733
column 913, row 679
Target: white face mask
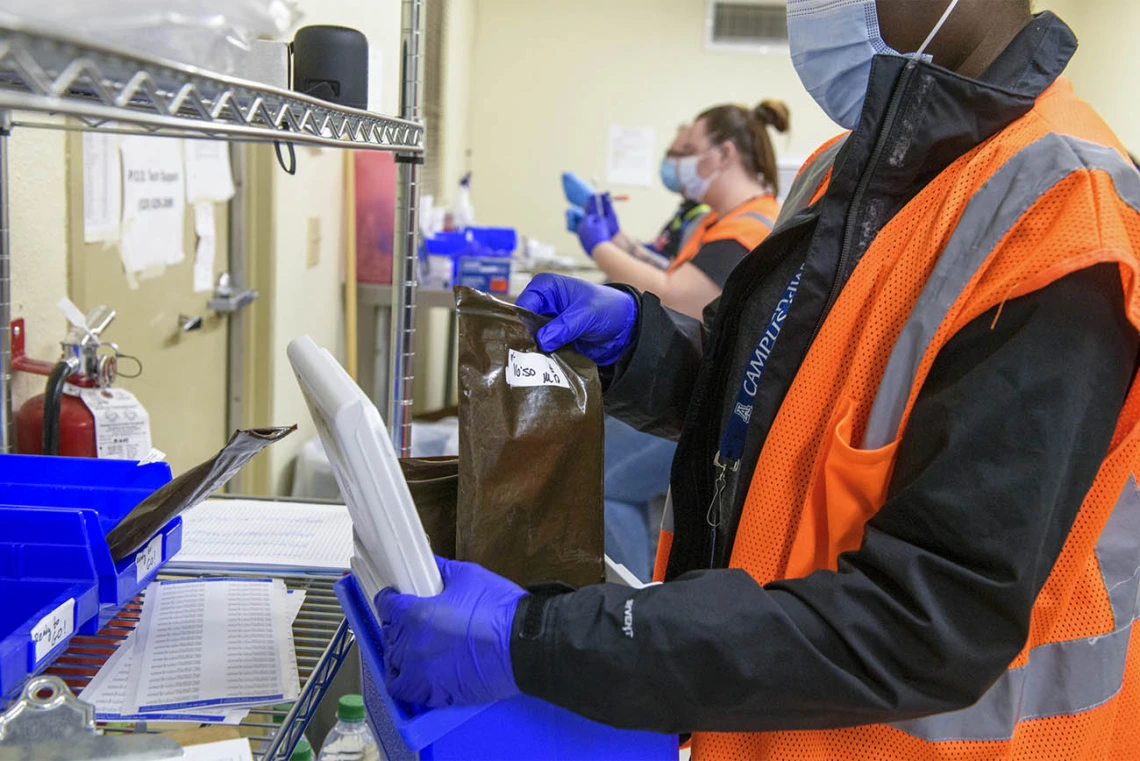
column 833, row 44
column 692, row 184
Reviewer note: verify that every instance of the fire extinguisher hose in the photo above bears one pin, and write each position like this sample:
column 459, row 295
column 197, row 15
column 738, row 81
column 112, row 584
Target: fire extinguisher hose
column 53, row 401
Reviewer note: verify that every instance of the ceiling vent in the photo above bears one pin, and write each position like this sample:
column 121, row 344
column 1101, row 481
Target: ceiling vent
column 759, row 27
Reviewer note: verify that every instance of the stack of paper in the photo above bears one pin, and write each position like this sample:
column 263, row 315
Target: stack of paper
column 205, row 651
column 262, row 536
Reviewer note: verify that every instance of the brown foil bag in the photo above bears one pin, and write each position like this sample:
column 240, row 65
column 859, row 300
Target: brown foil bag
column 530, row 458
column 188, row 489
column 434, row 484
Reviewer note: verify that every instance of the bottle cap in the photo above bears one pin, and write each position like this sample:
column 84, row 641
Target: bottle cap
column 283, row 710
column 350, row 708
column 303, row 751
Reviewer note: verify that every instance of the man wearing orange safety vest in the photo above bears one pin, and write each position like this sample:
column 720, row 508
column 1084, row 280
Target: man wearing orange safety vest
column 905, row 518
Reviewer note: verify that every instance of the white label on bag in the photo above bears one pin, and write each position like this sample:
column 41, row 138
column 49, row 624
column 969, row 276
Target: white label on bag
column 122, row 425
column 148, row 558
column 526, row 370
column 53, row 628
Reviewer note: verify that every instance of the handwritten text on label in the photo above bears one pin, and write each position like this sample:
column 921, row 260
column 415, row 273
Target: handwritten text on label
column 526, row 370
column 53, row 629
column 148, row 558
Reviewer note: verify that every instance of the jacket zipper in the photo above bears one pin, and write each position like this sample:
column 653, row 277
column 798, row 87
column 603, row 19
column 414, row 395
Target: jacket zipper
column 856, row 209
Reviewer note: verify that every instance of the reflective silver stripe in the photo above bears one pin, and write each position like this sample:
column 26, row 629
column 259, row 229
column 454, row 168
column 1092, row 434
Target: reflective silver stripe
column 667, row 517
column 808, row 181
column 1061, row 678
column 759, row 217
column 989, row 216
column 1118, row 556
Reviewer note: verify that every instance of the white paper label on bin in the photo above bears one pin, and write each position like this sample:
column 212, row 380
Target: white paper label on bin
column 53, row 629
column 148, row 558
column 122, row 425
column 527, row 369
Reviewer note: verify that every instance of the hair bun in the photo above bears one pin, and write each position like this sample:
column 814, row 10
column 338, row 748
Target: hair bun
column 773, row 113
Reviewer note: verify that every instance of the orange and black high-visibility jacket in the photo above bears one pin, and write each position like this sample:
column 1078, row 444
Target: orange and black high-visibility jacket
column 718, row 244
column 930, row 547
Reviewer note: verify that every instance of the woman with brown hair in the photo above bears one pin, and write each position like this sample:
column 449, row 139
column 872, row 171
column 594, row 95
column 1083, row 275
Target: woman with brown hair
column 729, row 164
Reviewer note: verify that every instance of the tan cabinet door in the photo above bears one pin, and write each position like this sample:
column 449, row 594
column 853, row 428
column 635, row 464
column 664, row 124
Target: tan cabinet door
column 183, row 383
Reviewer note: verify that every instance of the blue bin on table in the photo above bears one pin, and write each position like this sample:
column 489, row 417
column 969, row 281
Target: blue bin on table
column 480, row 256
column 492, row 241
column 55, row 513
column 520, row 729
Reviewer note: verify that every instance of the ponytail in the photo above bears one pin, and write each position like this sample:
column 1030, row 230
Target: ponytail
column 748, row 131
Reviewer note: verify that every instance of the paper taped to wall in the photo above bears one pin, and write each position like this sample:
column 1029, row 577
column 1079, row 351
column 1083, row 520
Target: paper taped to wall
column 207, row 249
column 154, row 202
column 631, row 158
column 208, row 175
column 102, row 188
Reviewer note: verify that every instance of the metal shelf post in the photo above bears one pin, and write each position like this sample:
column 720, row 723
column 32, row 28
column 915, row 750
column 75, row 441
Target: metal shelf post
column 405, row 260
column 7, row 426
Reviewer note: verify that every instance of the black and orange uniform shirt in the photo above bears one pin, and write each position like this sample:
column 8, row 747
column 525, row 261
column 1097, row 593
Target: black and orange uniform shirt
column 720, row 243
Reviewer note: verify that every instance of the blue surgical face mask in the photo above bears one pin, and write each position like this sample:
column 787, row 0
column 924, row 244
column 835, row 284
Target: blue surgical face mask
column 693, row 186
column 669, row 176
column 833, row 44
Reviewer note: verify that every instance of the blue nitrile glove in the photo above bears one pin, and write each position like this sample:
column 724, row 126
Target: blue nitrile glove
column 455, row 648
column 597, row 320
column 577, row 190
column 606, row 210
column 574, row 217
column 593, row 231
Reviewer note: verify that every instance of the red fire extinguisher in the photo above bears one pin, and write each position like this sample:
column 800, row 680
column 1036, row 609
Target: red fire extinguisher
column 54, row 422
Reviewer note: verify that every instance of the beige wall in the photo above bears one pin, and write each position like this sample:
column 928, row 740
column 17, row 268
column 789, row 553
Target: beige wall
column 308, row 300
column 1106, row 65
column 38, row 220
column 432, row 326
column 457, row 90
column 549, row 77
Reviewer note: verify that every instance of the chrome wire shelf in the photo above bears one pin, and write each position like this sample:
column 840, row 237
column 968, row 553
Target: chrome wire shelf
column 111, row 90
column 321, row 638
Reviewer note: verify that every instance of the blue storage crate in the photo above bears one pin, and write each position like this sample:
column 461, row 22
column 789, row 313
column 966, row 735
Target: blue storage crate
column 492, row 241
column 48, row 582
column 103, row 492
column 480, row 258
column 445, row 244
column 520, row 729
column 489, row 274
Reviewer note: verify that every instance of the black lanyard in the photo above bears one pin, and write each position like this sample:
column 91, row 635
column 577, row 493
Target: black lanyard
column 736, row 429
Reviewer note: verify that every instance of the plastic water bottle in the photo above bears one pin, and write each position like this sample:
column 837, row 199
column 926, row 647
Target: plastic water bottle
column 303, row 751
column 350, row 739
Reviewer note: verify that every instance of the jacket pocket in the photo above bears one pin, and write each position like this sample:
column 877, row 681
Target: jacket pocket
column 848, row 487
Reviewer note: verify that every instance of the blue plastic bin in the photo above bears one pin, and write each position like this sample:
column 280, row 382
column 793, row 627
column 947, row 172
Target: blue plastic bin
column 493, row 241
column 480, row 256
column 519, row 729
column 99, row 493
column 45, row 561
column 490, row 274
column 445, row 244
